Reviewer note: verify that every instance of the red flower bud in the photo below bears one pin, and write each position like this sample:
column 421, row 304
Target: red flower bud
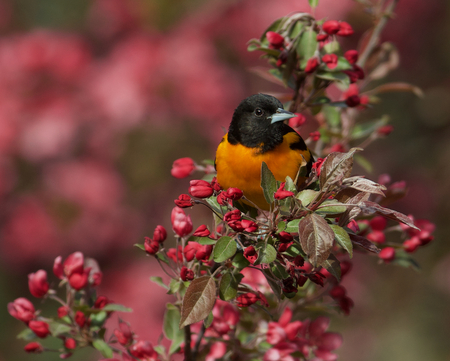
column 233, row 194
column 79, row 280
column 203, row 253
column 285, row 237
column 275, row 40
column 246, row 299
column 331, row 27
column 216, row 186
column 21, row 309
column 200, row 188
column 376, row 236
column 233, row 215
column 337, row 292
column 37, row 283
column 315, row 136
column 311, row 65
column 184, row 201
column 281, row 193
column 101, row 302
column 250, row 254
column 175, row 254
column 181, row 223
column 297, row 121
column 378, row 223
column 387, row 254
column 63, row 311
column 337, row 148
column 249, row 226
column 40, row 328
column 143, row 350
column 321, row 37
column 74, row 263
column 151, row 246
column 385, row 130
column 190, row 250
column 345, row 29
column 346, row 266
column 124, row 335
column 97, row 279
column 186, row 274
column 160, row 234
column 70, row 343
column 33, row 347
column 411, row 244
column 202, row 231
column 331, row 60
column 351, row 56
column 80, row 318
column 353, row 225
column 222, row 199
column 58, row 268
column 353, row 101
column 182, row 167
column 236, row 226
column 317, row 165
column 284, row 246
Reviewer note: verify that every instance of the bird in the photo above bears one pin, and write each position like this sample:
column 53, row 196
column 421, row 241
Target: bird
column 257, row 134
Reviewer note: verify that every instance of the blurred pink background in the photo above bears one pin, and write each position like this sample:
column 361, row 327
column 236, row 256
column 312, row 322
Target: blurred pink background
column 98, row 98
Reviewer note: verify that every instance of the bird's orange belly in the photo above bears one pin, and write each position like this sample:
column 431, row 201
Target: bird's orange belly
column 240, row 167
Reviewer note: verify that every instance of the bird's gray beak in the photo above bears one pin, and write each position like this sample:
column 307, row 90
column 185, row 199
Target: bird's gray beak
column 281, row 115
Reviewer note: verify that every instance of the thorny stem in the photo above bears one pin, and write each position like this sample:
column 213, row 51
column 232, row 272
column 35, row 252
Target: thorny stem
column 375, row 37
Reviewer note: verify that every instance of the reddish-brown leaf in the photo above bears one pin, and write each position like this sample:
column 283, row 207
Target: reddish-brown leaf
column 335, row 168
column 316, row 238
column 198, row 300
column 364, row 243
column 372, row 207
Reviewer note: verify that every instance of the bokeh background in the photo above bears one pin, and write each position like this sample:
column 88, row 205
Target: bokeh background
column 98, row 98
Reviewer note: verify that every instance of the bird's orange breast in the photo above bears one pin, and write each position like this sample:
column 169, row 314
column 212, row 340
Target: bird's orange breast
column 240, row 166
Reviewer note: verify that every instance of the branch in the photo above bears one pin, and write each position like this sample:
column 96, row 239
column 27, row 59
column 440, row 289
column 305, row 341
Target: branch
column 375, row 37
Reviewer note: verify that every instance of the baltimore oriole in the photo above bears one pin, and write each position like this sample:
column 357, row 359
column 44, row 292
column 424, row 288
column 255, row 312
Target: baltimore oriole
column 258, row 134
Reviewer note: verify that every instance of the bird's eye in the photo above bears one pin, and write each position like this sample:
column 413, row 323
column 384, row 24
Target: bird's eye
column 259, row 112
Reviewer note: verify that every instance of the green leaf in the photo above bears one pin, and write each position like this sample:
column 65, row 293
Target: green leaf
column 296, row 30
column 332, row 115
column 331, row 206
column 27, row 335
column 160, row 349
column 307, row 46
column 228, row 286
column 159, row 281
column 332, row 47
column 103, row 347
column 253, row 45
column 162, row 257
column 342, row 65
column 403, row 259
column 116, row 307
column 365, row 129
column 307, row 196
column 342, row 238
column 140, row 246
column 171, row 329
column 292, row 226
column 295, row 250
column 281, row 226
column 198, row 300
column 212, row 201
column 316, row 238
column 239, row 261
column 267, row 253
column 224, row 249
column 57, row 328
column 279, row 271
column 268, row 183
column 174, row 286
column 333, row 266
column 208, row 320
column 313, row 3
column 202, row 240
column 363, row 162
column 337, row 77
column 290, row 185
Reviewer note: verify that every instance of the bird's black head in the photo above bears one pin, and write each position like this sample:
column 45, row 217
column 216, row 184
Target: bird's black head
column 257, row 122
